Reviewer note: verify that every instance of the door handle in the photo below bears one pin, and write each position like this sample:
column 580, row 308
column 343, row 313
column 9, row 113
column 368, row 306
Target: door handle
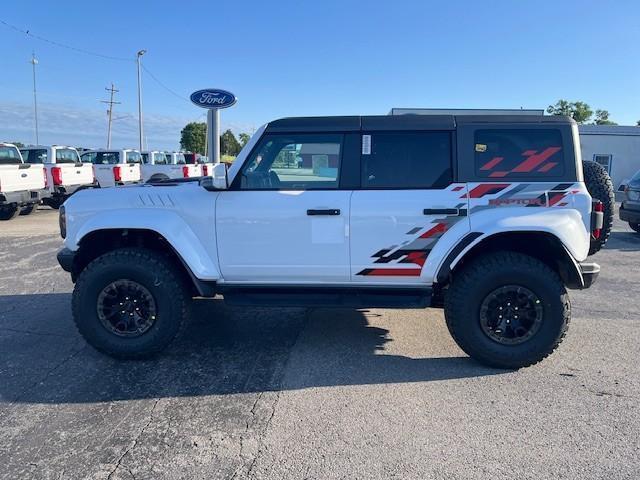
column 457, row 212
column 328, row 211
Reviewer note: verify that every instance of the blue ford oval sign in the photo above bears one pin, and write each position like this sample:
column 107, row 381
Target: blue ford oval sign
column 213, row 98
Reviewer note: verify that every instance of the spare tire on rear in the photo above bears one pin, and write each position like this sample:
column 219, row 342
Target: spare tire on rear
column 600, row 187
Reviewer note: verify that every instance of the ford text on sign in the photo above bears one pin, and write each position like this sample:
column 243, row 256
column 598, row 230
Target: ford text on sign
column 213, row 98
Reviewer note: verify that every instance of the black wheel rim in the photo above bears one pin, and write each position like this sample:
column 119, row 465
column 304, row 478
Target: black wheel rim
column 511, row 315
column 126, row 308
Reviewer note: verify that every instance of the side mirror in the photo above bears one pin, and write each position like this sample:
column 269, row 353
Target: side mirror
column 220, row 176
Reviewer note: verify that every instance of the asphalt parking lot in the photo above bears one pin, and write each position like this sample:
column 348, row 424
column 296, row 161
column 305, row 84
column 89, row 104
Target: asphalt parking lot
column 320, row 393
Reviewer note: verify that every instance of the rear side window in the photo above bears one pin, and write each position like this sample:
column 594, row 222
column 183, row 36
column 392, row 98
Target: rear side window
column 516, row 153
column 411, row 160
column 34, row 155
column 66, row 155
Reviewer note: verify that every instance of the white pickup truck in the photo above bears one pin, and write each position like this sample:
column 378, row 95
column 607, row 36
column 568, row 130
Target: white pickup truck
column 22, row 185
column 114, row 167
column 66, row 174
column 156, row 166
column 487, row 216
column 188, row 170
column 197, row 159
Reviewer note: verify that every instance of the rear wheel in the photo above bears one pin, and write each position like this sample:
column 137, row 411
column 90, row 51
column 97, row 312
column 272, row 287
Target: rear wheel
column 130, row 303
column 635, row 226
column 600, row 187
column 8, row 212
column 507, row 310
column 28, row 210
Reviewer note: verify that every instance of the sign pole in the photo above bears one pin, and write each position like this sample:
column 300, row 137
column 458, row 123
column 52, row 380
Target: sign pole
column 213, row 134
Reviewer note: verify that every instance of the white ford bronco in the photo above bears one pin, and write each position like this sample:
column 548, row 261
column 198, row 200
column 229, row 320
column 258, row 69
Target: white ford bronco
column 488, row 217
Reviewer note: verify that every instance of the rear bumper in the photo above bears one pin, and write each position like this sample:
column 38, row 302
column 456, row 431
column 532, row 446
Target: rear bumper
column 627, row 215
column 590, row 272
column 24, row 197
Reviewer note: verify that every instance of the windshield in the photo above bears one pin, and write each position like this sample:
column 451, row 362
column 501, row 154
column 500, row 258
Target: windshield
column 67, row 155
column 9, row 155
column 34, row 155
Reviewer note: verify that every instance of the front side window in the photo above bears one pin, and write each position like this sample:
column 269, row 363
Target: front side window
column 134, row 157
column 34, row 155
column 180, row 160
column 159, row 158
column 406, row 160
column 67, row 155
column 517, row 153
column 294, row 162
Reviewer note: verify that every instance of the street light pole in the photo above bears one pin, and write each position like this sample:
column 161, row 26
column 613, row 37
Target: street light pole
column 34, row 62
column 140, row 129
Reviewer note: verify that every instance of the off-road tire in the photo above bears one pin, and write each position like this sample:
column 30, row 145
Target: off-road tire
column 635, row 226
column 600, row 187
column 9, row 212
column 28, row 210
column 471, row 285
column 150, row 269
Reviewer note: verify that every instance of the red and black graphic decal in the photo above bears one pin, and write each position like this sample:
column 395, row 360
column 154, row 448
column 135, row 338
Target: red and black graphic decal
column 534, row 161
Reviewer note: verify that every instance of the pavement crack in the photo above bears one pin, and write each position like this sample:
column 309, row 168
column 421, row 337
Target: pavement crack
column 134, row 443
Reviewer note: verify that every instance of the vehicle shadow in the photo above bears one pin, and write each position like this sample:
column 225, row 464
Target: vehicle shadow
column 222, row 351
column 623, row 241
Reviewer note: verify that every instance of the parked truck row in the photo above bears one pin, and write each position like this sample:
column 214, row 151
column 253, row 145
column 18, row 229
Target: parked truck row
column 49, row 174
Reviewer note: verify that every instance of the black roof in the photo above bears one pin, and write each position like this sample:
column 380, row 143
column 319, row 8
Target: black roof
column 399, row 122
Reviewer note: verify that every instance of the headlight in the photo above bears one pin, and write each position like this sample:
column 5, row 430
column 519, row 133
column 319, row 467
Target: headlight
column 62, row 221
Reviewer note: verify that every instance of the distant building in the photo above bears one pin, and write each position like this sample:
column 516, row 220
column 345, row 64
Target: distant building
column 615, row 147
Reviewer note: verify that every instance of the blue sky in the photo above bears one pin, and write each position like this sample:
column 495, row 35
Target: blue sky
column 288, row 58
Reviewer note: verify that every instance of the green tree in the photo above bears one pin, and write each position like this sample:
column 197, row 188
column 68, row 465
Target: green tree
column 229, row 145
column 244, row 138
column 193, row 137
column 18, row 144
column 602, row 118
column 580, row 111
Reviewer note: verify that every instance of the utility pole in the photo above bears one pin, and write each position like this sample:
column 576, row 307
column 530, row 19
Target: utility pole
column 34, row 62
column 111, row 103
column 140, row 129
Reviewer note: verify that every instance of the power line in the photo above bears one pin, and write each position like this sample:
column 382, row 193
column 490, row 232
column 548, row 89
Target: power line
column 62, row 45
column 164, row 86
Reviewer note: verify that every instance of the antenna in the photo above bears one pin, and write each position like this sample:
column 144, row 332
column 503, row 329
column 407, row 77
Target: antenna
column 111, row 103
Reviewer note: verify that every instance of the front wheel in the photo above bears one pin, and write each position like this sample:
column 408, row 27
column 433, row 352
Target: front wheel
column 130, row 303
column 507, row 310
column 635, row 226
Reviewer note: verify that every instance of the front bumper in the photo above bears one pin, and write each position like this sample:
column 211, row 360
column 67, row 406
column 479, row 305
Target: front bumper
column 626, row 215
column 66, row 259
column 589, row 272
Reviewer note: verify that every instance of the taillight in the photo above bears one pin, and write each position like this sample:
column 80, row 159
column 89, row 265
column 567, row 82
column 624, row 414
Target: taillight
column 205, row 171
column 46, row 180
column 598, row 208
column 185, row 171
column 116, row 174
column 56, row 174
